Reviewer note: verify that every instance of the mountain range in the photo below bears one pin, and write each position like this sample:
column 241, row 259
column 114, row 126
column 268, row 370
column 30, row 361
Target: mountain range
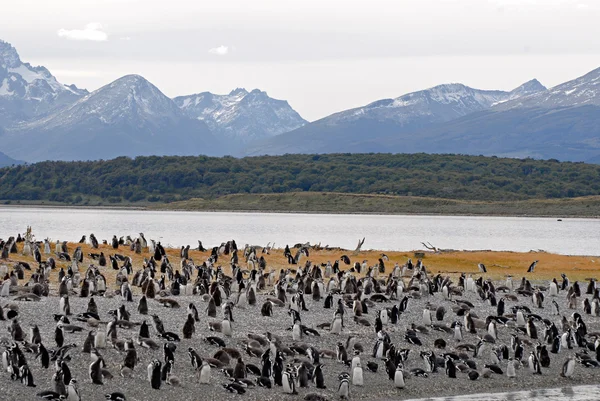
column 43, row 119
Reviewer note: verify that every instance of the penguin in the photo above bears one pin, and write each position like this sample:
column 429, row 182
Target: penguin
column 211, row 309
column 26, row 376
column 289, row 385
column 568, row 367
column 344, row 386
column 189, row 327
column 155, row 381
column 144, row 330
column 302, row 376
column 65, row 307
column 450, row 367
column 531, row 329
column 267, row 309
column 73, row 391
column 239, row 371
column 100, row 338
column 44, row 356
column 458, row 336
column 399, row 377
column 88, row 343
column 357, row 375
column 204, row 373
column 336, row 325
column 59, row 336
column 95, row 371
column 143, row 305
column 35, row 336
column 328, row 301
column 510, row 369
column 534, row 364
column 318, row 377
column 500, row 307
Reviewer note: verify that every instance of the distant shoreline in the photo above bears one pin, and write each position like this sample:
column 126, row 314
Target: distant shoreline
column 354, row 204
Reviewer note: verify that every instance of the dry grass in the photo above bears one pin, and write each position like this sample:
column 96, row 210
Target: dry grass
column 499, row 264
column 327, row 202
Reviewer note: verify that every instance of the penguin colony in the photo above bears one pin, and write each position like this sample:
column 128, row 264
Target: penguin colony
column 312, row 331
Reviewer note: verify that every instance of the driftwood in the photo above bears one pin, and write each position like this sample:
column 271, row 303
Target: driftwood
column 360, row 244
column 435, row 249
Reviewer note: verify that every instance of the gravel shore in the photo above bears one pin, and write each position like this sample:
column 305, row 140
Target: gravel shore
column 249, row 320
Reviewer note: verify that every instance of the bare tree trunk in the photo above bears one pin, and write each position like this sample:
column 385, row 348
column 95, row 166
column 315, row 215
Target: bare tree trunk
column 360, row 244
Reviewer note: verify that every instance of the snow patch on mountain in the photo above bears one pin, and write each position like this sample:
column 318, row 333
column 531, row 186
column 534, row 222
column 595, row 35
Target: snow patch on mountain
column 241, row 116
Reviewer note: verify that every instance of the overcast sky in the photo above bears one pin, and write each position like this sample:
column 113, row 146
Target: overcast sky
column 322, row 56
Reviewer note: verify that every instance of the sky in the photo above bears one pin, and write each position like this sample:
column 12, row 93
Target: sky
column 322, row 56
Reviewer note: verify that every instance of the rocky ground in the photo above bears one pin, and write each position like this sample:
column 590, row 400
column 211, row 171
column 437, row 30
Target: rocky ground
column 249, row 320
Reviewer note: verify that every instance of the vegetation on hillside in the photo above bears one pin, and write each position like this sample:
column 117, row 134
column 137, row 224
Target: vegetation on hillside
column 168, row 179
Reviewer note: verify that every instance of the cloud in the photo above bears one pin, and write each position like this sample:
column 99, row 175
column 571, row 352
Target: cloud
column 92, row 31
column 219, row 51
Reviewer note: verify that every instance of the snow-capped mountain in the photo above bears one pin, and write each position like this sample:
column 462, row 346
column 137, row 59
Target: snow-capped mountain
column 27, row 91
column 344, row 131
column 582, row 91
column 241, row 116
column 128, row 117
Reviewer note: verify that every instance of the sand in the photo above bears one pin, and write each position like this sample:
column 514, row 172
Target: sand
column 248, row 320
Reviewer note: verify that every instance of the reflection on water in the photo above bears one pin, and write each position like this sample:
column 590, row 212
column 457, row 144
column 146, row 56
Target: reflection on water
column 402, row 233
column 578, row 393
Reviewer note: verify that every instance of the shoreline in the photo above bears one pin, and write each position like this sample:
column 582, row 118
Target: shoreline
column 166, row 208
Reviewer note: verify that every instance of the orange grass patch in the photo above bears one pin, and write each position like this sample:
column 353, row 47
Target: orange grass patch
column 499, row 264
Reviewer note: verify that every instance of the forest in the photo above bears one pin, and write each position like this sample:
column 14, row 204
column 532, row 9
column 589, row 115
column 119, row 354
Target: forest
column 144, row 180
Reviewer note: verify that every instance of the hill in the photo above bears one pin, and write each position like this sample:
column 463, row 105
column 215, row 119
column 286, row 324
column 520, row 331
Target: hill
column 168, row 179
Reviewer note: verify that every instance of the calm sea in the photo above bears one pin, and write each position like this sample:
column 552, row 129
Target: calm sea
column 397, row 232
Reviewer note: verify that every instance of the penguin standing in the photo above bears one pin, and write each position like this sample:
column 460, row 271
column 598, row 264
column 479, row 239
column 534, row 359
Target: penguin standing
column 205, row 373
column 95, row 371
column 100, row 337
column 510, row 369
column 336, row 325
column 568, row 367
column 288, row 382
column 357, row 375
column 318, row 378
column 399, row 377
column 534, row 364
column 344, row 386
column 26, row 376
column 143, row 305
column 450, row 367
column 189, row 327
column 155, row 374
column 302, row 376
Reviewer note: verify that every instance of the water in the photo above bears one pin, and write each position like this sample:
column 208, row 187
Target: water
column 396, row 232
column 577, row 393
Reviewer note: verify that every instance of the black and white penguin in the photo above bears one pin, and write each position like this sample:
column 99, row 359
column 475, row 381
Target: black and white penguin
column 568, row 367
column 204, row 376
column 532, row 267
column 288, row 382
column 344, row 386
column 26, row 376
column 534, row 364
column 328, row 301
column 302, row 376
column 531, row 329
column 399, row 377
column 95, row 371
column 317, row 376
column 156, row 367
column 450, row 367
column 189, row 327
column 239, row 371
